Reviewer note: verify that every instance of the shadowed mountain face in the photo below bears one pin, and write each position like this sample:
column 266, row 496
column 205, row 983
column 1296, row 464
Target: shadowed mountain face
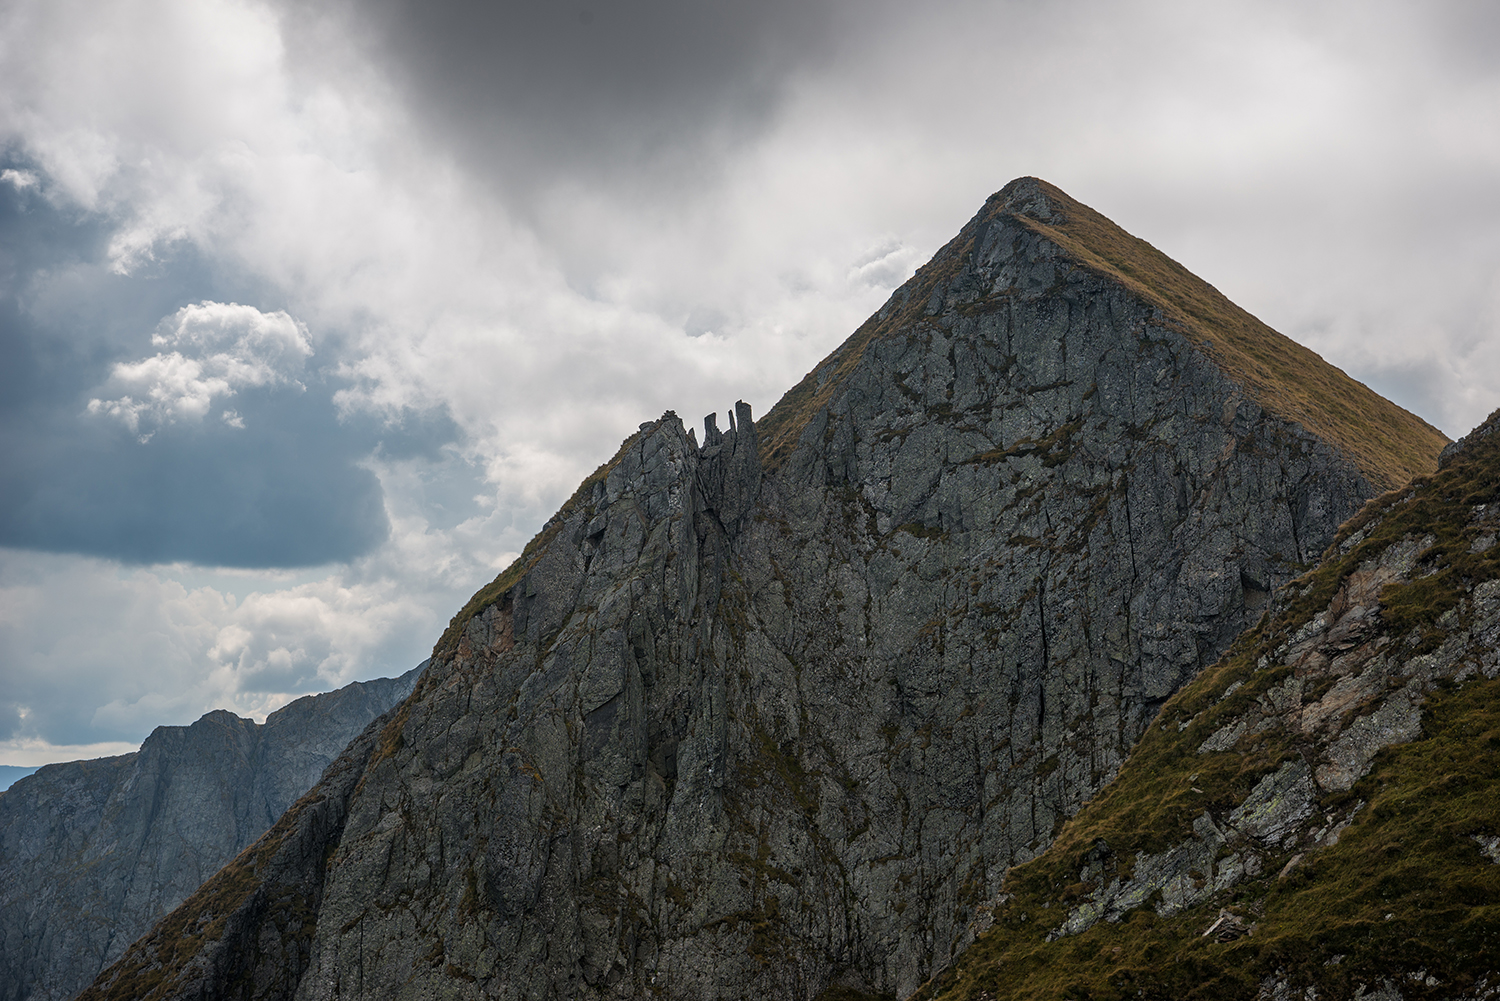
column 1316, row 814
column 773, row 714
column 93, row 853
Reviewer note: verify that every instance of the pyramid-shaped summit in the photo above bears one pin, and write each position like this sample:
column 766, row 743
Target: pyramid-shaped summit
column 975, row 271
column 772, row 714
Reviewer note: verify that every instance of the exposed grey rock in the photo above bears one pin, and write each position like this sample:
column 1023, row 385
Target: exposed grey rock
column 1489, row 845
column 745, row 727
column 1453, row 448
column 1373, row 692
column 93, row 853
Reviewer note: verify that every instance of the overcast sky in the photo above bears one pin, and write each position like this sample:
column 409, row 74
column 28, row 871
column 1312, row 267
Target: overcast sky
column 310, row 314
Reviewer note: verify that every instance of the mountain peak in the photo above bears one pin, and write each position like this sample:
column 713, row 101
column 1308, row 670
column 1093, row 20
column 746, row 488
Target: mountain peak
column 1027, row 196
column 772, row 715
column 1034, row 219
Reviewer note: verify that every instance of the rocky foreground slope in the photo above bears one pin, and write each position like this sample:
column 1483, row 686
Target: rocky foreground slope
column 93, row 853
column 1318, row 814
column 772, row 714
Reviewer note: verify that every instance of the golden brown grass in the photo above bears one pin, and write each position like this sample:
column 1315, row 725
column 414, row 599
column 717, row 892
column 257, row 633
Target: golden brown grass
column 1389, row 443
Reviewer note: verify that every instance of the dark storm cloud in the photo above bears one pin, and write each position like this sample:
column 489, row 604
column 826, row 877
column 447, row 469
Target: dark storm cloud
column 600, row 90
column 1464, row 33
column 284, row 490
column 419, row 435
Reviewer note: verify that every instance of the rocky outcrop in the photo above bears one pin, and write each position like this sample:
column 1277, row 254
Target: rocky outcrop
column 1315, row 815
column 773, row 715
column 93, row 853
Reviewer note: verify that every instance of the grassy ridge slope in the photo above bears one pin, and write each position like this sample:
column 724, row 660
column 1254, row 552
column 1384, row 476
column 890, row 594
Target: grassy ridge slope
column 1407, row 887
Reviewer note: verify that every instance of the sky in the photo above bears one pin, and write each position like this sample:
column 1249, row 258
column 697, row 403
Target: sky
column 311, row 314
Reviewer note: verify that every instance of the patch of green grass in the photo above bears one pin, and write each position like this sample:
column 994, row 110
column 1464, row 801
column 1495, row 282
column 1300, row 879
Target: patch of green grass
column 1406, row 886
column 850, row 994
column 932, row 533
column 1405, row 889
column 1054, row 448
column 779, row 767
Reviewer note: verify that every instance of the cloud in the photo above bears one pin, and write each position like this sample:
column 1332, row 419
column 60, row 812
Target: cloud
column 276, row 482
column 648, row 95
column 230, row 347
column 18, row 179
column 91, row 651
column 512, row 233
column 287, row 489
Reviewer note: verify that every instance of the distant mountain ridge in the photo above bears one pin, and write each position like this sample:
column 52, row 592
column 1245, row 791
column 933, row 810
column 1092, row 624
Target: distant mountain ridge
column 773, row 715
column 92, row 853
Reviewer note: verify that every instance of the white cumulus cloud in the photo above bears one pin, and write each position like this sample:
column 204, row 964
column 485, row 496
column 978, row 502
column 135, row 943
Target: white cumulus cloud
column 19, row 179
column 216, row 349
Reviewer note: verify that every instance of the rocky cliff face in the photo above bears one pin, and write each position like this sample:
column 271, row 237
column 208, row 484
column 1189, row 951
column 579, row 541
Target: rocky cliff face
column 93, row 853
column 773, row 714
column 1315, row 816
